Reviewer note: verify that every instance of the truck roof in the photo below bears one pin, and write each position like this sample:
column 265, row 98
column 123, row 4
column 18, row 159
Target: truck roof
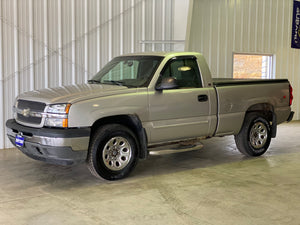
column 163, row 54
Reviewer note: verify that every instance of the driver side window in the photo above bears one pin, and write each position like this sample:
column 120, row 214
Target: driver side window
column 185, row 71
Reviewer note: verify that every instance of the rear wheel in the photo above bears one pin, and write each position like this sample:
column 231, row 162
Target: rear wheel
column 113, row 152
column 255, row 136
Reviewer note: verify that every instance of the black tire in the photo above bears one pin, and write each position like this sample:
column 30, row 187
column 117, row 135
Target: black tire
column 255, row 136
column 113, row 152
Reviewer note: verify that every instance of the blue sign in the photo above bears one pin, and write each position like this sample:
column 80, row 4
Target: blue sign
column 296, row 25
column 19, row 140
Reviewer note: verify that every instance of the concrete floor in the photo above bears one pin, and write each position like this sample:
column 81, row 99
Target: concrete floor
column 214, row 185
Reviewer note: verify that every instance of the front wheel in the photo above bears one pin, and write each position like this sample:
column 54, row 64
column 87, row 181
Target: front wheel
column 113, row 152
column 255, row 136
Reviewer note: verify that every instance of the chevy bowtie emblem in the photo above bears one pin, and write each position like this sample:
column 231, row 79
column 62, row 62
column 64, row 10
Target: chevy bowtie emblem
column 26, row 112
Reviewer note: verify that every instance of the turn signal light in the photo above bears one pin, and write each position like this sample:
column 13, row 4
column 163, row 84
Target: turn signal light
column 65, row 123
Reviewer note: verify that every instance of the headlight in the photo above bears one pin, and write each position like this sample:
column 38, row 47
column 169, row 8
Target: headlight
column 59, row 108
column 57, row 115
column 54, row 122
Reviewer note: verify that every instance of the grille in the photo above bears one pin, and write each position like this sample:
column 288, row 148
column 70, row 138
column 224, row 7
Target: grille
column 30, row 119
column 32, row 107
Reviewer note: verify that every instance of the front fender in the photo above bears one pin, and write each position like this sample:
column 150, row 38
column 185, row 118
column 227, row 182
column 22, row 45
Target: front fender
column 85, row 113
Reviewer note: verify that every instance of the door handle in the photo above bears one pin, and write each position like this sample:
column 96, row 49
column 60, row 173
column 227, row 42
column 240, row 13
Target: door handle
column 202, row 98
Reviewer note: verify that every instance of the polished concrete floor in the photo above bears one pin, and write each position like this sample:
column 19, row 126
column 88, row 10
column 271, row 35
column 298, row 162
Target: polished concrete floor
column 214, row 185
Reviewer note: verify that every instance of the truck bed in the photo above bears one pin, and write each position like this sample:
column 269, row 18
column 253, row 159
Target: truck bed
column 236, row 96
column 219, row 82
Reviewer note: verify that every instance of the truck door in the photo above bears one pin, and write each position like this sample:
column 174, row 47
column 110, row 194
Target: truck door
column 184, row 112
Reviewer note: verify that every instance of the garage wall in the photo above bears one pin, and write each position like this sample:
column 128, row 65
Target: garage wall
column 219, row 28
column 46, row 43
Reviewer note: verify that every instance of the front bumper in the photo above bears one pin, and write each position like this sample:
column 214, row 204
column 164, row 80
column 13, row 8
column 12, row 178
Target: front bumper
column 52, row 145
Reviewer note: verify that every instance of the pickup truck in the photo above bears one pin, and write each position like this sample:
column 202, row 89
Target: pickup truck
column 140, row 101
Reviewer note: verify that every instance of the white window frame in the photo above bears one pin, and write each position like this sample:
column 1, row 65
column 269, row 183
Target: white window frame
column 268, row 64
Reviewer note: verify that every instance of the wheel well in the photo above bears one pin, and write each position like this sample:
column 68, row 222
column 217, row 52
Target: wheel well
column 266, row 110
column 130, row 121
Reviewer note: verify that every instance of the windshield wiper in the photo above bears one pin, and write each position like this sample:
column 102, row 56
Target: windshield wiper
column 94, row 82
column 120, row 83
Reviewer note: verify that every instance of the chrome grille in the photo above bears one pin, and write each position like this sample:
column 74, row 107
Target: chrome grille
column 28, row 111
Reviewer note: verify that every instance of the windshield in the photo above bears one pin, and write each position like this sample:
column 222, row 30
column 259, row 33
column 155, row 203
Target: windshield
column 130, row 71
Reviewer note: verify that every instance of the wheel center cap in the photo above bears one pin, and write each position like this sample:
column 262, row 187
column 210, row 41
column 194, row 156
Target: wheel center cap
column 114, row 152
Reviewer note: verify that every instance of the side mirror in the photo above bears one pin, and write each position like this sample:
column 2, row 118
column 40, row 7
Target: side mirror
column 167, row 83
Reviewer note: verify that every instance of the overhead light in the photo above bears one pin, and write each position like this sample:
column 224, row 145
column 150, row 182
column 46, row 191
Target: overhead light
column 184, row 68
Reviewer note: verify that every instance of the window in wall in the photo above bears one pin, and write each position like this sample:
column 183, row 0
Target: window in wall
column 252, row 66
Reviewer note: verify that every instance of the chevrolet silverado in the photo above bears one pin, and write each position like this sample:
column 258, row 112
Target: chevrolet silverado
column 140, row 101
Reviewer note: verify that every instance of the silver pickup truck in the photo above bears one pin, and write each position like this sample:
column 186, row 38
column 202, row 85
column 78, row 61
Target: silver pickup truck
column 140, row 101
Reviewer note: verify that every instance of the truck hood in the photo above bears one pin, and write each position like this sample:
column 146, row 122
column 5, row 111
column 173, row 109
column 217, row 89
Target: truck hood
column 74, row 93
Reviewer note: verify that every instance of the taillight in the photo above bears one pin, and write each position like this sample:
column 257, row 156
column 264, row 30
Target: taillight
column 291, row 95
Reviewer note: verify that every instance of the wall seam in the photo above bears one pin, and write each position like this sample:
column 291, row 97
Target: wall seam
column 59, row 29
column 31, row 45
column 46, row 50
column 16, row 49
column 2, row 81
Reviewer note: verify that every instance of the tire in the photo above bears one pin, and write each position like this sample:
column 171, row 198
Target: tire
column 113, row 152
column 255, row 136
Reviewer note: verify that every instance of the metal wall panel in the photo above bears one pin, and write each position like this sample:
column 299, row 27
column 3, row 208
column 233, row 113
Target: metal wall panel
column 219, row 28
column 46, row 43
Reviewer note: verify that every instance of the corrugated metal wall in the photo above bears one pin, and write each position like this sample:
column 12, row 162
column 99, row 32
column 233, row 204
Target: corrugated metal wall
column 46, row 43
column 219, row 28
